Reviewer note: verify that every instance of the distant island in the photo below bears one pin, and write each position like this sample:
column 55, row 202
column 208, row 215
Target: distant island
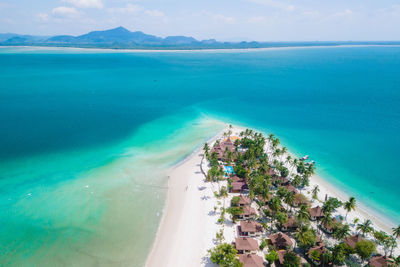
column 122, row 38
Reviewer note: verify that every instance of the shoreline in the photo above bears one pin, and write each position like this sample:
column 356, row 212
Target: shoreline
column 380, row 223
column 173, row 211
column 213, row 50
column 179, row 216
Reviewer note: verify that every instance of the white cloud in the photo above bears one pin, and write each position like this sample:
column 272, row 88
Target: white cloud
column 64, row 11
column 257, row 19
column 344, row 13
column 128, row 9
column 43, row 16
column 310, row 13
column 275, row 4
column 290, row 8
column 86, row 3
column 154, row 13
column 224, row 19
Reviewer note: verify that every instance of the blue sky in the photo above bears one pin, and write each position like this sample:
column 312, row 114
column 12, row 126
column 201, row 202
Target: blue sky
column 262, row 20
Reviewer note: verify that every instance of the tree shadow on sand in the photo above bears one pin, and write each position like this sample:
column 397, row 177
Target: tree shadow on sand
column 205, row 261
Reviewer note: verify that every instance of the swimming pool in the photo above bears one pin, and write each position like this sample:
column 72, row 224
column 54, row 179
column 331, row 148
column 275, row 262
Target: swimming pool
column 228, row 170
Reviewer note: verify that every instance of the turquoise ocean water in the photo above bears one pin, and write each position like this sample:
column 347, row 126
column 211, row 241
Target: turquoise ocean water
column 86, row 136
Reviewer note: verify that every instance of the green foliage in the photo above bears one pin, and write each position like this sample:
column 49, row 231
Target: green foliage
column 214, row 174
column 275, row 204
column 365, row 227
column 234, row 212
column 340, row 232
column 225, row 255
column 351, row 263
column 331, row 205
column 364, row 249
column 301, row 168
column 339, row 254
column 350, row 205
column 291, row 260
column 221, row 219
column 206, row 149
column 396, row 231
column 281, row 217
column 263, row 244
column 315, row 256
column 223, row 192
column 220, row 236
column 327, row 257
column 302, row 214
column 281, row 192
column 272, row 257
column 240, row 171
column 296, row 182
column 235, row 200
column 315, row 192
column 284, row 171
column 306, row 237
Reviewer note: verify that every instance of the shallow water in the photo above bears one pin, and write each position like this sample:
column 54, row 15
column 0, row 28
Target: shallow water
column 86, row 137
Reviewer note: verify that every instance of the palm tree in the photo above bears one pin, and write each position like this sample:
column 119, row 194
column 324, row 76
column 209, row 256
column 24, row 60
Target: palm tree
column 294, row 165
column 270, row 138
column 396, row 231
column 296, row 182
column 350, row 205
column 326, row 220
column 289, row 198
column 206, row 148
column 341, row 232
column 365, row 227
column 275, row 142
column 288, row 159
column 391, row 242
column 283, row 151
column 306, row 236
column 315, row 192
column 302, row 214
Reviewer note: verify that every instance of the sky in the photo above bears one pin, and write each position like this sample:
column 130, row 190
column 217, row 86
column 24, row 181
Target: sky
column 224, row 20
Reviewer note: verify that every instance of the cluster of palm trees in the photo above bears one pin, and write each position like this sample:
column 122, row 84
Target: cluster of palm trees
column 257, row 165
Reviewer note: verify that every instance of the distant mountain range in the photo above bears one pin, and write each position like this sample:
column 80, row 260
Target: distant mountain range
column 121, row 38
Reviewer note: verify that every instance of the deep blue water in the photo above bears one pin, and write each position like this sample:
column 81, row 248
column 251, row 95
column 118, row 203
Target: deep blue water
column 339, row 105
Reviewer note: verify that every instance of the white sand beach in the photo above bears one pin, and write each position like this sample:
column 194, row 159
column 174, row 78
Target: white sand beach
column 187, row 228
column 189, row 224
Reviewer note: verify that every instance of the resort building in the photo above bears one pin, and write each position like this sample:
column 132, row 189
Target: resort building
column 243, row 201
column 280, row 241
column 235, row 179
column 239, row 187
column 380, row 261
column 250, row 228
column 290, row 225
column 300, row 199
column 246, row 245
column 316, row 213
column 280, row 181
column 222, row 148
column 320, row 248
column 248, row 213
column 328, row 228
column 351, row 241
column 291, row 189
column 251, row 260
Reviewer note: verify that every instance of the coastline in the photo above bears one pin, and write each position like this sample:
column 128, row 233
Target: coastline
column 187, row 230
column 185, row 205
column 218, row 50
